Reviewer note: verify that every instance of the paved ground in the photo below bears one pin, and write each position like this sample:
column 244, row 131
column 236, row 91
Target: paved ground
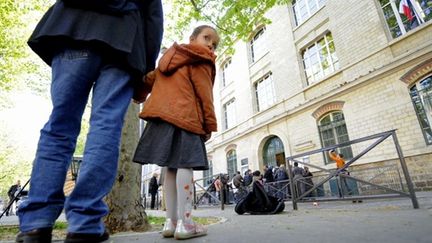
column 389, row 220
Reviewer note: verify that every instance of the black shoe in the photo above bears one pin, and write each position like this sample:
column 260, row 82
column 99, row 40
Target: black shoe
column 83, row 238
column 42, row 235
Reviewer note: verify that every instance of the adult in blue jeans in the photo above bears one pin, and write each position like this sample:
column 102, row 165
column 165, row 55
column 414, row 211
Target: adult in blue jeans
column 103, row 47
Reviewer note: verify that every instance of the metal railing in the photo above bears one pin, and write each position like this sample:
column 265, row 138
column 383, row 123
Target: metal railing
column 200, row 192
column 340, row 176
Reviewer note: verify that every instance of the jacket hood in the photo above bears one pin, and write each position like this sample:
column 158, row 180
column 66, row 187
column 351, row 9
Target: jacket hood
column 185, row 54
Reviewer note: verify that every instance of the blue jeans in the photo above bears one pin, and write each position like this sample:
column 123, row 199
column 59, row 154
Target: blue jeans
column 75, row 72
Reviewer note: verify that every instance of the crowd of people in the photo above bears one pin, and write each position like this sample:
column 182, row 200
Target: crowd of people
column 275, row 181
column 231, row 189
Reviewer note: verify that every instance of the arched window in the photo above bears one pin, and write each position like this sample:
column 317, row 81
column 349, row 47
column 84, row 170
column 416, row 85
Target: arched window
column 272, row 148
column 258, row 45
column 231, row 162
column 421, row 96
column 225, row 70
column 333, row 131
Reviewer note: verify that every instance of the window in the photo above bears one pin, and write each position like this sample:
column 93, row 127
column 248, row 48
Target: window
column 320, row 59
column 207, row 174
column 258, row 46
column 229, row 114
column 303, row 9
column 244, row 165
column 421, row 96
column 333, row 131
column 265, row 94
column 272, row 147
column 398, row 21
column 231, row 162
column 226, row 73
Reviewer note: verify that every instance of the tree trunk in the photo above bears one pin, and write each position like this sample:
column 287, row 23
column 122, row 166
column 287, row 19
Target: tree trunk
column 126, row 211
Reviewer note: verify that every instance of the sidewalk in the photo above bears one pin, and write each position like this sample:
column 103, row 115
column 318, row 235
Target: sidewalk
column 390, row 220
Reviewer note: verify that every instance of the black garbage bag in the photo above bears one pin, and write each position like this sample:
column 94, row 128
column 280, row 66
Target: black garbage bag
column 259, row 202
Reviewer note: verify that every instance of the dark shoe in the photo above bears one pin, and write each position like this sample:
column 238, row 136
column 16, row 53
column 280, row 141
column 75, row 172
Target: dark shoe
column 83, row 238
column 42, row 235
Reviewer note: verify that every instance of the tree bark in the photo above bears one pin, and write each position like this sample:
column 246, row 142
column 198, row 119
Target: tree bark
column 126, row 210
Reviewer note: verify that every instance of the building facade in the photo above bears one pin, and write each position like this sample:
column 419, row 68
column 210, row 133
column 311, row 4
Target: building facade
column 324, row 72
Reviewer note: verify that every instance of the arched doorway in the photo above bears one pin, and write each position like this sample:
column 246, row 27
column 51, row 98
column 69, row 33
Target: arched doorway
column 273, row 152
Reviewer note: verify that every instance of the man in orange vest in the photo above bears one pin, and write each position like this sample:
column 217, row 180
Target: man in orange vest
column 340, row 162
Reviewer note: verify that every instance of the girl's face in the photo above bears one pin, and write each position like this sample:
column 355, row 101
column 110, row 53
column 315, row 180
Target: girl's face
column 207, row 37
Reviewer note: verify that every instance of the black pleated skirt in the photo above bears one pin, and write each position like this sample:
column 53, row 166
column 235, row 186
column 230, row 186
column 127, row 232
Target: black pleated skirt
column 169, row 146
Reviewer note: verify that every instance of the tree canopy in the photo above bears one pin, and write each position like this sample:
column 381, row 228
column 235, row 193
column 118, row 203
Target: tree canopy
column 18, row 66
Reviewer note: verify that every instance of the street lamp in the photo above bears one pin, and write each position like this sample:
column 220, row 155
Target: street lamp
column 75, row 165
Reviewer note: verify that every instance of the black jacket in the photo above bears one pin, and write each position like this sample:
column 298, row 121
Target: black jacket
column 268, row 175
column 153, row 185
column 132, row 39
column 12, row 190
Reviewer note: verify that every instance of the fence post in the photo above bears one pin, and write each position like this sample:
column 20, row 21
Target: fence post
column 291, row 181
column 194, row 195
column 405, row 171
column 221, row 192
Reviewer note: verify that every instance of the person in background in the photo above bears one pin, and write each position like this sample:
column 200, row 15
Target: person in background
column 340, row 163
column 12, row 194
column 281, row 177
column 153, row 189
column 298, row 179
column 308, row 181
column 247, row 179
column 218, row 187
column 237, row 180
column 226, row 186
column 268, row 174
column 257, row 176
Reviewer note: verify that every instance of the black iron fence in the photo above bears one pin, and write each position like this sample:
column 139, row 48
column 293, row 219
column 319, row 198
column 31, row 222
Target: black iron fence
column 336, row 184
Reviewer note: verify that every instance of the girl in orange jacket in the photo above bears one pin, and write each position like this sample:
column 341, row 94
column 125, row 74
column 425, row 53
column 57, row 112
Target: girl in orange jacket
column 180, row 118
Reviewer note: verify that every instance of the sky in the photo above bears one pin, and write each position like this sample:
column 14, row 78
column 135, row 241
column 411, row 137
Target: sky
column 24, row 119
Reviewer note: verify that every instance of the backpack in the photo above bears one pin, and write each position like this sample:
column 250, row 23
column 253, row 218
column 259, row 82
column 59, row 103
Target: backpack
column 259, row 202
column 115, row 7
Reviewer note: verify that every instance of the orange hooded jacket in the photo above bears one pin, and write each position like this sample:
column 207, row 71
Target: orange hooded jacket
column 182, row 89
column 340, row 162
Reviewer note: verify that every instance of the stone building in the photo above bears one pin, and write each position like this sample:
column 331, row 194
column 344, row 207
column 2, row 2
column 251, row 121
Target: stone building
column 324, row 72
